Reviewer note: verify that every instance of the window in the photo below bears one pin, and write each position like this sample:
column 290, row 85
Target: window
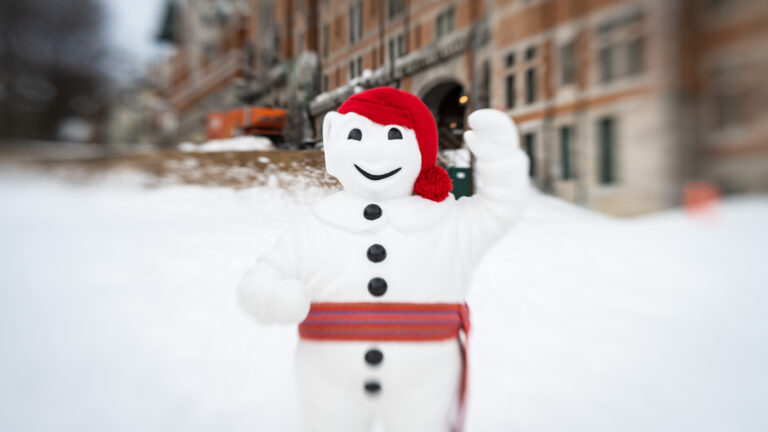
column 529, row 143
column 397, row 48
column 606, row 63
column 635, row 49
column 395, row 8
column 716, row 4
column 530, row 85
column 510, row 60
column 566, row 171
column 607, row 151
column 510, row 91
column 300, row 43
column 444, row 24
column 325, row 40
column 356, row 67
column 530, row 53
column 621, row 51
column 402, row 47
column 325, row 83
column 484, row 91
column 567, row 63
column 355, row 22
column 359, row 20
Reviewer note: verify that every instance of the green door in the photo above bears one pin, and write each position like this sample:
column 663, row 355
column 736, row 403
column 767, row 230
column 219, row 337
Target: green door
column 462, row 181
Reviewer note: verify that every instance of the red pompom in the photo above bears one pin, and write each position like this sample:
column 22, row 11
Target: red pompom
column 433, row 183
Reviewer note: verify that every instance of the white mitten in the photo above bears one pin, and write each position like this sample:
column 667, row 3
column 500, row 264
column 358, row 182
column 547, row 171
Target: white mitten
column 274, row 301
column 493, row 135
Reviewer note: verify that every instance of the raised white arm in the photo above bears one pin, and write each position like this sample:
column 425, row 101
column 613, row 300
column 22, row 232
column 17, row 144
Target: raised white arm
column 501, row 180
column 271, row 291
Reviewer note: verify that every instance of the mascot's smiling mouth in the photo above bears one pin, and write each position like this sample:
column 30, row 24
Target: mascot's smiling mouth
column 370, row 176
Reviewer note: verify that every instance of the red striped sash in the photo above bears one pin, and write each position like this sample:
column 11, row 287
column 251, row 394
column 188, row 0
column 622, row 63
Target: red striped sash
column 404, row 322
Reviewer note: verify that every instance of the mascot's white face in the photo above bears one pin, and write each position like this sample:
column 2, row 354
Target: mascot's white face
column 370, row 160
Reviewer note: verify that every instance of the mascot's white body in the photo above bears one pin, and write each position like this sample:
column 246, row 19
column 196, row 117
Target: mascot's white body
column 430, row 249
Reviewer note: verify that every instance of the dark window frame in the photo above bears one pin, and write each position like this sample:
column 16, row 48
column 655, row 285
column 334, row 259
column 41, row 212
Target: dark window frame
column 510, row 91
column 566, row 152
column 605, row 64
column 530, row 53
column 509, row 59
column 606, row 151
column 568, row 63
column 445, row 23
column 402, row 47
column 326, row 36
column 359, row 65
column 395, row 8
column 531, row 85
column 635, row 56
column 355, row 29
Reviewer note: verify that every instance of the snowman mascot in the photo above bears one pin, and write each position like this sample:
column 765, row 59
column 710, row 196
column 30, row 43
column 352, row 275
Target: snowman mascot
column 377, row 275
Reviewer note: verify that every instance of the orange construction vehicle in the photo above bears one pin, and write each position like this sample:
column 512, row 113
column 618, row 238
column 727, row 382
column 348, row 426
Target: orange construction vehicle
column 268, row 122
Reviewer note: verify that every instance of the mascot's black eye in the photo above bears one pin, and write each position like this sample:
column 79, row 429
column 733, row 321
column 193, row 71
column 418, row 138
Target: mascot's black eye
column 394, row 134
column 355, row 134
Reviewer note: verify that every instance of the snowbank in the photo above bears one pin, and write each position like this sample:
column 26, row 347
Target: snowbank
column 118, row 312
column 242, row 143
column 458, row 158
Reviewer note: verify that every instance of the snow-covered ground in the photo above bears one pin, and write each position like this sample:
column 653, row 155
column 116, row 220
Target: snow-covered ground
column 241, row 143
column 118, row 313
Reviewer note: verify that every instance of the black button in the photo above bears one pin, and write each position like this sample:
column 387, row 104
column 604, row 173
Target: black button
column 373, row 357
column 377, row 286
column 372, row 211
column 377, row 253
column 372, row 387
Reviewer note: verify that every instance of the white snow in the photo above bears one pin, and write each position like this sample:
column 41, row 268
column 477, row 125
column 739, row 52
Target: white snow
column 458, row 158
column 241, row 143
column 118, row 312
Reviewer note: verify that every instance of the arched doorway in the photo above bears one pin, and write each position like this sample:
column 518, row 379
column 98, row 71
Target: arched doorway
column 447, row 102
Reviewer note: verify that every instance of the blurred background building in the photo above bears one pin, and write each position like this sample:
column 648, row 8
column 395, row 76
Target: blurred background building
column 620, row 103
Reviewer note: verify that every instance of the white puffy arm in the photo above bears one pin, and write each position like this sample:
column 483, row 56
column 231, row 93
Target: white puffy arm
column 493, row 134
column 271, row 300
column 501, row 179
column 270, row 291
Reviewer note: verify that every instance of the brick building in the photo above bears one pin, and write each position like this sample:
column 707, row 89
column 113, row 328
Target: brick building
column 619, row 102
column 207, row 69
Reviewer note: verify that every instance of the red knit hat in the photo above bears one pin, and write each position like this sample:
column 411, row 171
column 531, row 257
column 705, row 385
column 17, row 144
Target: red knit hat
column 390, row 106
